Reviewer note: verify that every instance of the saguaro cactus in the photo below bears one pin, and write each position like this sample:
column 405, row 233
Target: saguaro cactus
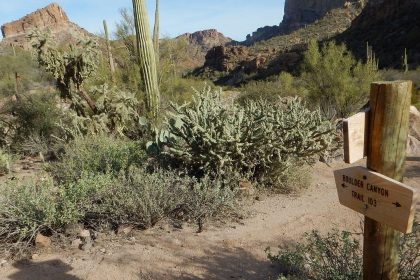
column 146, row 55
column 108, row 48
column 16, row 75
column 156, row 33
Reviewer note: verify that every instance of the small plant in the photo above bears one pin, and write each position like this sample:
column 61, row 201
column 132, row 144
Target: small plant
column 338, row 256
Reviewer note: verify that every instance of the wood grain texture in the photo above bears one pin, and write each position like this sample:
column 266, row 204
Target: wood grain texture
column 355, row 137
column 378, row 197
column 388, row 132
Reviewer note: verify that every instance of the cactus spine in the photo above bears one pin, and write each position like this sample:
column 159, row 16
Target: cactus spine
column 156, row 33
column 146, row 55
column 110, row 58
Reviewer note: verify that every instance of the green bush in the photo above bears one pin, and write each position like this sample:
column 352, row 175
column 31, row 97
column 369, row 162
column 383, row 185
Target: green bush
column 335, row 80
column 32, row 122
column 143, row 198
column 338, row 256
column 282, row 86
column 26, row 209
column 210, row 137
column 96, row 154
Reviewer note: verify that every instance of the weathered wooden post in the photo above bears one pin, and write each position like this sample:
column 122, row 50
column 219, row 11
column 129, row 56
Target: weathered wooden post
column 387, row 139
column 377, row 191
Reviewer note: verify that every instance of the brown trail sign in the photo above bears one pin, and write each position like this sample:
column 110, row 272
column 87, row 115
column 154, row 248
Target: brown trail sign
column 376, row 196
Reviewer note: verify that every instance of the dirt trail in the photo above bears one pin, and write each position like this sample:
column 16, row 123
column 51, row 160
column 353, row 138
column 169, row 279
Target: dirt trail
column 234, row 251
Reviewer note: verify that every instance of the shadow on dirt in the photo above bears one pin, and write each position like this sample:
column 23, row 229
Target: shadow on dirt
column 235, row 263
column 54, row 269
column 413, row 167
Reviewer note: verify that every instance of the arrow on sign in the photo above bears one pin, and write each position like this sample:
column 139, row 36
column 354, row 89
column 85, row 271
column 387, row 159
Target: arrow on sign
column 397, row 204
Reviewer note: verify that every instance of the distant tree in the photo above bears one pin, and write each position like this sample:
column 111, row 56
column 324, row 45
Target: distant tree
column 335, row 80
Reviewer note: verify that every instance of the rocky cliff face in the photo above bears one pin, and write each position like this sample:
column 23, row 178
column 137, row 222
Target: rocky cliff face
column 298, row 14
column 390, row 27
column 206, row 39
column 52, row 17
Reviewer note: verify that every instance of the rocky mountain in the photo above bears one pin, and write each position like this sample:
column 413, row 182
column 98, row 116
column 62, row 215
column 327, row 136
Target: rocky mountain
column 206, row 39
column 390, row 27
column 52, row 17
column 201, row 42
column 298, row 14
column 237, row 64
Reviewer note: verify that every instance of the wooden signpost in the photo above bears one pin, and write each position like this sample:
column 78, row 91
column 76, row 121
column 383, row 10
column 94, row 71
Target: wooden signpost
column 388, row 205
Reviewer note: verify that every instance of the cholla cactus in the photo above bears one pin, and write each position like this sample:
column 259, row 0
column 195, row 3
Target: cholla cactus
column 209, row 137
column 70, row 68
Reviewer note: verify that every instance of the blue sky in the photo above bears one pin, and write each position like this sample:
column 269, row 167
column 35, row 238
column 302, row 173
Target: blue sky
column 234, row 18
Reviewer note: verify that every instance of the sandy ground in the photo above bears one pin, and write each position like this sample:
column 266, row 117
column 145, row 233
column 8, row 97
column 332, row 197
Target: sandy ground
column 233, row 251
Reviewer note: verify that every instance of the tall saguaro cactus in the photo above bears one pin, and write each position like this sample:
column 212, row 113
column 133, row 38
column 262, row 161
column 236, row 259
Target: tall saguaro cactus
column 147, row 59
column 108, row 48
column 156, row 33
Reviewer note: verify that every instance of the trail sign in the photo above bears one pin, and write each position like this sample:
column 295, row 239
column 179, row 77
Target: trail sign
column 378, row 197
column 355, row 137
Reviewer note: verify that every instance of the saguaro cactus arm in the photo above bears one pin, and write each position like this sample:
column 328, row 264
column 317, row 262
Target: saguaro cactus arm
column 108, row 48
column 156, row 32
column 147, row 60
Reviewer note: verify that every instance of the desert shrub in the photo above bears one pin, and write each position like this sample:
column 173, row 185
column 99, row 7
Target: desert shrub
column 338, row 256
column 32, row 120
column 281, row 86
column 137, row 197
column 409, row 268
column 178, row 90
column 210, row 137
column 143, row 198
column 25, row 210
column 335, row 80
column 96, row 154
